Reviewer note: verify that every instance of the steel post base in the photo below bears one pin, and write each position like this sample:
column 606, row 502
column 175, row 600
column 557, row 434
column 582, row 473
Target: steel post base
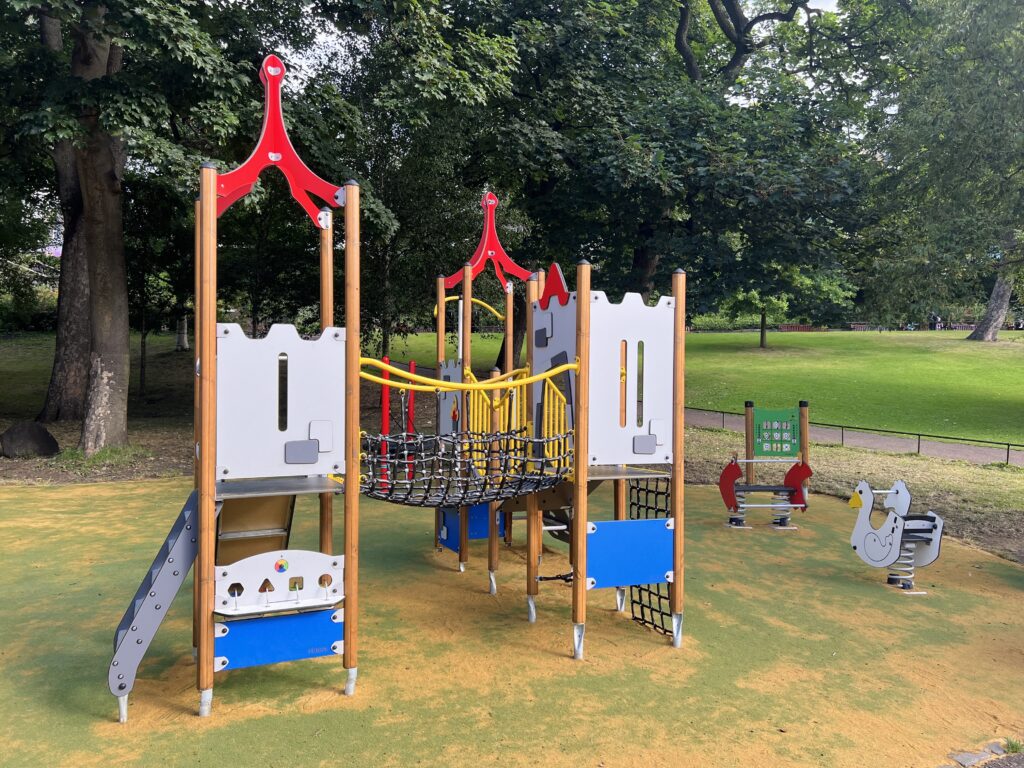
column 205, row 702
column 493, row 583
column 122, row 708
column 350, row 683
column 531, row 609
column 677, row 630
column 577, row 640
column 620, row 599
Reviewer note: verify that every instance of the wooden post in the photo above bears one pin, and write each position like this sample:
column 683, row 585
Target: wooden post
column 510, row 364
column 326, row 220
column 493, row 509
column 441, row 331
column 195, row 406
column 467, row 360
column 352, row 442
column 206, row 334
column 581, row 456
column 748, row 427
column 620, row 499
column 805, row 439
column 678, row 452
column 534, row 531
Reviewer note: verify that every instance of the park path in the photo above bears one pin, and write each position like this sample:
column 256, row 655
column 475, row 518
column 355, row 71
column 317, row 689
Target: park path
column 977, row 454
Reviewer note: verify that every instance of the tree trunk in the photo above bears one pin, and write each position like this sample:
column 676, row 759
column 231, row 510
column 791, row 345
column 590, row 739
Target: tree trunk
column 764, row 328
column 645, row 261
column 69, row 378
column 519, row 310
column 181, row 337
column 995, row 311
column 100, row 170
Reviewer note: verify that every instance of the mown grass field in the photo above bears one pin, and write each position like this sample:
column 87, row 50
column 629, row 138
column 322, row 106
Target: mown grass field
column 926, row 381
column 795, row 654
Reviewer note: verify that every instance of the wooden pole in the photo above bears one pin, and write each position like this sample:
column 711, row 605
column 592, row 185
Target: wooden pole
column 534, row 532
column 678, row 451
column 206, row 333
column 352, row 442
column 494, row 508
column 195, row 405
column 748, row 427
column 805, row 438
column 467, row 361
column 581, row 456
column 441, row 331
column 620, row 499
column 509, row 367
column 326, row 220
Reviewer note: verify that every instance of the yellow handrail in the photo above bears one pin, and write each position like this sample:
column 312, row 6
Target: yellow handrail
column 476, row 301
column 427, row 384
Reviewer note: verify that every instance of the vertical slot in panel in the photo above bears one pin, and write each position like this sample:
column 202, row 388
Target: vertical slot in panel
column 639, row 383
column 282, row 392
column 623, row 373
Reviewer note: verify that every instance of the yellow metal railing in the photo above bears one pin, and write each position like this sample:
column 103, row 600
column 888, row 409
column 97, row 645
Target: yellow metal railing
column 554, row 426
column 476, row 301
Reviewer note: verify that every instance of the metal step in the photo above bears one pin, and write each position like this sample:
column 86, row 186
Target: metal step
column 147, row 609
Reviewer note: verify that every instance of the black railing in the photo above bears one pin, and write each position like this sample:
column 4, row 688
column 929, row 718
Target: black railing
column 844, row 428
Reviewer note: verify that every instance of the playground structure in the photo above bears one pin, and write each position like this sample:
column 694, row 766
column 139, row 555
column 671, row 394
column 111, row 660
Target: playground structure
column 771, row 435
column 279, row 416
column 903, row 543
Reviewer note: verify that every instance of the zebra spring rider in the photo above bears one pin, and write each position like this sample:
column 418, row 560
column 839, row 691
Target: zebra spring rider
column 903, row 542
column 783, row 500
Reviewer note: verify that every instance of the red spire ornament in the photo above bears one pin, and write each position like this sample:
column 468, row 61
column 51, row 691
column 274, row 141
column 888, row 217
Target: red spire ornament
column 489, row 250
column 275, row 148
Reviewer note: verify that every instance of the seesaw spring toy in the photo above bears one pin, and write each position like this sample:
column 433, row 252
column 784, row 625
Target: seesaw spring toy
column 903, row 542
column 772, row 436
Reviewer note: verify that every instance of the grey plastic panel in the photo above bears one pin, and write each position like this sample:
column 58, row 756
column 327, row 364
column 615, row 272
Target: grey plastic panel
column 250, row 443
column 301, row 451
column 558, row 324
column 631, row 321
column 451, row 370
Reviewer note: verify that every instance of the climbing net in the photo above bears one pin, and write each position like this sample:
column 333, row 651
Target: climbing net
column 649, row 603
column 497, row 455
column 444, row 470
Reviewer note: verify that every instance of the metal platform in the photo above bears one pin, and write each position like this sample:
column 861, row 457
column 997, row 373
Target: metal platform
column 277, row 486
column 628, row 471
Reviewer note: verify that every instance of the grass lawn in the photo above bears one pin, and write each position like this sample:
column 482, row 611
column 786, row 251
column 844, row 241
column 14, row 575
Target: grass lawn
column 795, row 654
column 925, row 381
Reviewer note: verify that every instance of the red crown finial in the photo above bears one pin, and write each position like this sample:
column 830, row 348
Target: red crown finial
column 490, row 250
column 275, row 148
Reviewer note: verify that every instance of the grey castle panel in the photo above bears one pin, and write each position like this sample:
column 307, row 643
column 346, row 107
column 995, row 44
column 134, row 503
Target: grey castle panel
column 250, row 439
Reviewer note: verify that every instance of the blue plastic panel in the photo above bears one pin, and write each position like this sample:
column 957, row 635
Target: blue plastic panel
column 622, row 553
column 477, row 525
column 270, row 639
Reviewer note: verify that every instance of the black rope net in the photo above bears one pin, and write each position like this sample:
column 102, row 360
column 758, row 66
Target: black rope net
column 462, row 468
column 649, row 603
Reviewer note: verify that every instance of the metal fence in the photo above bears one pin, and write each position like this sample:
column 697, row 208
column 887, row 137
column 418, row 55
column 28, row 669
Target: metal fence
column 898, row 441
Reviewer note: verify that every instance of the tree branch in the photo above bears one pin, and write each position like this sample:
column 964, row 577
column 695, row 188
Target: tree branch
column 682, row 42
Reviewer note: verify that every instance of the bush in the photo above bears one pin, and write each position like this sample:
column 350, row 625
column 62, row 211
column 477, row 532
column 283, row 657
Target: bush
column 31, row 310
column 721, row 321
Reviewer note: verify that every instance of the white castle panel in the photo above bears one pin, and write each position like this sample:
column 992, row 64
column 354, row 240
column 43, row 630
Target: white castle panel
column 273, row 427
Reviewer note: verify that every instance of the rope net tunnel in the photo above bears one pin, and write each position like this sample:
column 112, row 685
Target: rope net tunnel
column 498, row 456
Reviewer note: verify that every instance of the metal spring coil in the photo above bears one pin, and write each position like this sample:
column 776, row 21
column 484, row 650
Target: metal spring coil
column 901, row 573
